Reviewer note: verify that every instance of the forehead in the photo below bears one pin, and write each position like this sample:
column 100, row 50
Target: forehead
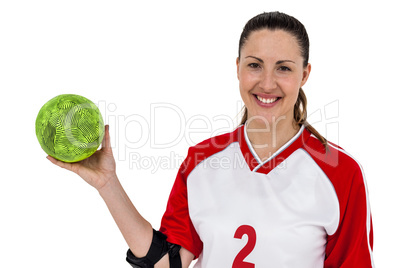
column 271, row 44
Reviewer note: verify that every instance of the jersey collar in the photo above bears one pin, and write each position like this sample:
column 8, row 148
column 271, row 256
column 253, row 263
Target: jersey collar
column 254, row 162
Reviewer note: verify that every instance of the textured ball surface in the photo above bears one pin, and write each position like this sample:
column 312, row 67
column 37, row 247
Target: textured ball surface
column 69, row 127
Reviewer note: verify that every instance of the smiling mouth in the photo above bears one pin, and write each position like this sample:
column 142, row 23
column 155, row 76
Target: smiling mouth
column 268, row 100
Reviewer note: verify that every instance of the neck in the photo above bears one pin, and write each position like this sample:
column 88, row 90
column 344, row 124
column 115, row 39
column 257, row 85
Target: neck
column 267, row 138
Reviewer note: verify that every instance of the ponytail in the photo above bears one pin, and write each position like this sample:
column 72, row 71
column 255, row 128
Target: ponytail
column 300, row 116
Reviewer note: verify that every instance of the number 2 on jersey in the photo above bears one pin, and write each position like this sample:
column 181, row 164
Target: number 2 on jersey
column 247, row 249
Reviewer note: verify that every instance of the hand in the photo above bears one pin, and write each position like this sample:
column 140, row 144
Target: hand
column 97, row 169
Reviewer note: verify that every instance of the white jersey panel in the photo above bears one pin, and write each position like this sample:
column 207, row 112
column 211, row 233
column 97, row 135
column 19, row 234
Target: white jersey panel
column 292, row 209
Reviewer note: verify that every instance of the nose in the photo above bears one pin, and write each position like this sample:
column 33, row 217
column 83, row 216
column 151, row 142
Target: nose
column 267, row 81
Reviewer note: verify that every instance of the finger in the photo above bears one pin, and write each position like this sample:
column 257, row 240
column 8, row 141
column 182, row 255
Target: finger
column 106, row 139
column 59, row 163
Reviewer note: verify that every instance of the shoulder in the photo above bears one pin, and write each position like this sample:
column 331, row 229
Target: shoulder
column 332, row 159
column 342, row 170
column 209, row 147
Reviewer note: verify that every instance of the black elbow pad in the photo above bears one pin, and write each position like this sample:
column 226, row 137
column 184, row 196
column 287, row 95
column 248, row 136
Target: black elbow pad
column 159, row 247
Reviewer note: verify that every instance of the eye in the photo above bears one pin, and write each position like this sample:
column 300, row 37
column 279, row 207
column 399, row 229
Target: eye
column 254, row 65
column 284, row 69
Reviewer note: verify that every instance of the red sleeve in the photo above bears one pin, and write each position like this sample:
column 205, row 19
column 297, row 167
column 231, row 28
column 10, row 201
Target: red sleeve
column 176, row 223
column 351, row 245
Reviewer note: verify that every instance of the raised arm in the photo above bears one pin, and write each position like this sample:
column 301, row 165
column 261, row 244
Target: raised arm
column 99, row 171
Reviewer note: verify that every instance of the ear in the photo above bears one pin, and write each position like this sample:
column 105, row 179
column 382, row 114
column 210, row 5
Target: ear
column 306, row 74
column 237, row 66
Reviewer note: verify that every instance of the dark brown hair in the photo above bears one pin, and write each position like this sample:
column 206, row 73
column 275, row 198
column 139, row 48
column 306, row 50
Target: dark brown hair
column 280, row 21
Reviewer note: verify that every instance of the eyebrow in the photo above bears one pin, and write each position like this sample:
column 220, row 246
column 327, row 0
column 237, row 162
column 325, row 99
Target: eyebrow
column 277, row 63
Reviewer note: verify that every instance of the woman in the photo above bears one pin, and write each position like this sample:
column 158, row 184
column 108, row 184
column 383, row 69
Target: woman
column 273, row 193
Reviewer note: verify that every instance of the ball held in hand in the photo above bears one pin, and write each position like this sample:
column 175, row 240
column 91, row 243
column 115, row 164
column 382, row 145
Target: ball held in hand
column 69, row 127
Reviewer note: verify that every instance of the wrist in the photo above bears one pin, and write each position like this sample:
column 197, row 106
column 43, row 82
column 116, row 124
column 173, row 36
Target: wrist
column 112, row 184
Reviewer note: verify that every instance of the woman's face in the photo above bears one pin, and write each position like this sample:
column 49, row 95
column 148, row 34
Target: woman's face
column 270, row 72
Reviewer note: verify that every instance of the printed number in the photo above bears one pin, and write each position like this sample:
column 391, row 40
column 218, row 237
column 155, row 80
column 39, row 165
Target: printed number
column 248, row 248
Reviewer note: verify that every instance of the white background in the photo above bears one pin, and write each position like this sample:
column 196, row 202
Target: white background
column 126, row 56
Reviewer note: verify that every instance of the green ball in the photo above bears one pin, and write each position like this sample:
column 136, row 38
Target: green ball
column 69, row 127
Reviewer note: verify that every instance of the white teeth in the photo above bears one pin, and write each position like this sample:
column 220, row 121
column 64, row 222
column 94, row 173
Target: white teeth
column 266, row 100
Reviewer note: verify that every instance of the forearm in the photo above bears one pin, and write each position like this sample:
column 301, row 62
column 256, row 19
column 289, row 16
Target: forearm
column 135, row 229
column 137, row 232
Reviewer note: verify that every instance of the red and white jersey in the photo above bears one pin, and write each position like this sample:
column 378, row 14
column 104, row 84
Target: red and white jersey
column 303, row 207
